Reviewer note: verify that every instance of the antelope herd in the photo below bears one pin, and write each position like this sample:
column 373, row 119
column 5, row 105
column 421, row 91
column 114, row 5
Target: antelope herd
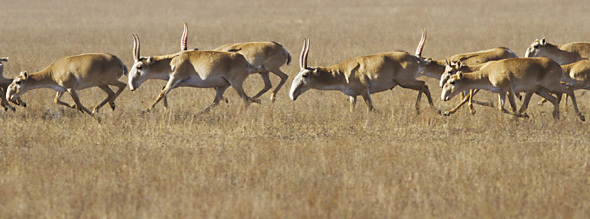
column 547, row 70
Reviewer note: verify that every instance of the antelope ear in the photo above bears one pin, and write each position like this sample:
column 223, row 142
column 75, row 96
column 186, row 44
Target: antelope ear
column 447, row 62
column 315, row 72
column 459, row 75
column 24, row 74
column 150, row 60
column 458, row 64
column 543, row 41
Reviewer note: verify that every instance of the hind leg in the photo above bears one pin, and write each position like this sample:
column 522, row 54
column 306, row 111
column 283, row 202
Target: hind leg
column 283, row 77
column 121, row 86
column 545, row 94
column 421, row 87
column 109, row 92
column 240, row 90
column 525, row 104
column 267, row 85
column 571, row 94
column 218, row 97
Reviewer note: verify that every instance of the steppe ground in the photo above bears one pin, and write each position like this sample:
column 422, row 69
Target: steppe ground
column 309, row 158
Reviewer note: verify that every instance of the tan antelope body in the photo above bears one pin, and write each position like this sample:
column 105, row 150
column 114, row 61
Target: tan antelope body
column 469, row 62
column 4, row 82
column 562, row 54
column 73, row 73
column 270, row 56
column 579, row 71
column 267, row 56
column 204, row 69
column 530, row 75
column 363, row 75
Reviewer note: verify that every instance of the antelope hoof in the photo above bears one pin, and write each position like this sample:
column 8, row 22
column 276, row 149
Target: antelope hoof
column 582, row 117
column 472, row 112
column 447, row 113
column 272, row 98
column 146, row 110
column 95, row 111
column 255, row 100
column 112, row 104
column 556, row 115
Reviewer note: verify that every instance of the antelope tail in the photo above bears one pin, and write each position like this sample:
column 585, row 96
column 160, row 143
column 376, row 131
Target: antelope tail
column 253, row 69
column 125, row 70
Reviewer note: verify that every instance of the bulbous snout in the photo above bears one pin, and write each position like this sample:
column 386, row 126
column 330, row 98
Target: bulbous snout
column 296, row 89
column 10, row 95
column 445, row 94
column 529, row 52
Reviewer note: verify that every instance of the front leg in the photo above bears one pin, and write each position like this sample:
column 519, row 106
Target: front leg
column 352, row 100
column 512, row 103
column 501, row 102
column 172, row 82
column 58, row 101
column 367, row 97
column 79, row 105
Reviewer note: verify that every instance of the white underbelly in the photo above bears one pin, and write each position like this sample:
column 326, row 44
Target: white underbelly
column 196, row 81
column 379, row 87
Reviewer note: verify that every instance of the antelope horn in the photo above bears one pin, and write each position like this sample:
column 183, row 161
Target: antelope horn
column 304, row 53
column 136, row 47
column 183, row 46
column 421, row 44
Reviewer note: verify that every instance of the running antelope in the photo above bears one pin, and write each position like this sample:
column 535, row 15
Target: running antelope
column 73, row 73
column 268, row 56
column 562, row 54
column 580, row 72
column 364, row 75
column 530, row 75
column 470, row 62
column 4, row 82
column 205, row 69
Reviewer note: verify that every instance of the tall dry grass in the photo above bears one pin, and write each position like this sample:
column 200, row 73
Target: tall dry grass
column 305, row 159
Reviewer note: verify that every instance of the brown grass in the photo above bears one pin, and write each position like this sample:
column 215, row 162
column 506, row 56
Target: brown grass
column 305, row 159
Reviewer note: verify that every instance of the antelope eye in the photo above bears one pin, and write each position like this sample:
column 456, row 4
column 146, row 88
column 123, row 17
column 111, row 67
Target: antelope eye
column 18, row 82
column 452, row 82
column 139, row 67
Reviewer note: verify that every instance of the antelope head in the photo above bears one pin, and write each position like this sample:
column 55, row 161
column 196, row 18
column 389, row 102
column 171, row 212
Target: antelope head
column 306, row 77
column 535, row 47
column 17, row 87
column 138, row 73
column 451, row 69
column 452, row 87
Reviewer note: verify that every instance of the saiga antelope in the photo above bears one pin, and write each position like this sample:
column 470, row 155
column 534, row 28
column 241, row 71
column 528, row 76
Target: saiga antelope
column 205, row 69
column 268, row 56
column 530, row 75
column 363, row 75
column 439, row 70
column 73, row 73
column 4, row 82
column 562, row 54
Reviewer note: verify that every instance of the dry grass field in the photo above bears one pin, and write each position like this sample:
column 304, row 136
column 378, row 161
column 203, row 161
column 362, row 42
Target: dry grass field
column 309, row 158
